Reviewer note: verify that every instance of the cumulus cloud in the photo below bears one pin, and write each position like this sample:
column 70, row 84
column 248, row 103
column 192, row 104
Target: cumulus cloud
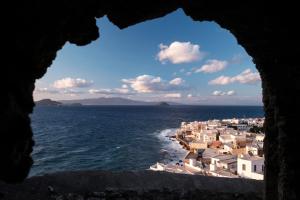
column 246, row 77
column 212, row 66
column 221, row 80
column 222, row 93
column 147, row 83
column 173, row 95
column 179, row 52
column 71, row 83
column 177, row 81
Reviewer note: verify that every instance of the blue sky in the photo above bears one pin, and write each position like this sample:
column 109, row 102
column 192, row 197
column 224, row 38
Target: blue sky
column 166, row 59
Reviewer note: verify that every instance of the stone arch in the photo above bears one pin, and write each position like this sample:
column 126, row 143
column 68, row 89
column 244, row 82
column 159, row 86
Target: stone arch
column 266, row 34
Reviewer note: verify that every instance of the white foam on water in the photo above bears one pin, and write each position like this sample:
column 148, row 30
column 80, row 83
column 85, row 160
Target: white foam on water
column 171, row 149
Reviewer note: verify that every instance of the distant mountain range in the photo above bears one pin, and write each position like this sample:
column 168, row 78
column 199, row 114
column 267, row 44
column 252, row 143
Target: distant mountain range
column 101, row 101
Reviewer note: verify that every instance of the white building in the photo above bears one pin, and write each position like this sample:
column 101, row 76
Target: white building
column 158, row 167
column 225, row 138
column 191, row 161
column 228, row 147
column 260, row 137
column 209, row 136
column 236, row 138
column 255, row 148
column 219, row 161
column 235, row 121
column 250, row 167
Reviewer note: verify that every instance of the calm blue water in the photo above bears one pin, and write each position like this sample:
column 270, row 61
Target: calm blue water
column 115, row 137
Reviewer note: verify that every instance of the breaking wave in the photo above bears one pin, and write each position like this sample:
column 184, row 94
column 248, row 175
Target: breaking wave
column 171, row 149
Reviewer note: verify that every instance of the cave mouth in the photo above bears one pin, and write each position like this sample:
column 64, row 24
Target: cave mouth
column 41, row 34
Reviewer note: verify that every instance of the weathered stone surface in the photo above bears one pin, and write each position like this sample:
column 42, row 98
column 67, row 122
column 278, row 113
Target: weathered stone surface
column 268, row 32
column 92, row 185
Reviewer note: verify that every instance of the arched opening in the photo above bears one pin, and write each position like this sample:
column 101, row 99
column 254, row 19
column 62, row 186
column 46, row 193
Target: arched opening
column 197, row 68
column 44, row 34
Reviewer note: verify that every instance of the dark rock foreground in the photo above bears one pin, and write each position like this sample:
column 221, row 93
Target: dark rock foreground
column 96, row 185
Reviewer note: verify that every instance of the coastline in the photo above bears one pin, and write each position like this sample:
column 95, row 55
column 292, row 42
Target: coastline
column 218, row 148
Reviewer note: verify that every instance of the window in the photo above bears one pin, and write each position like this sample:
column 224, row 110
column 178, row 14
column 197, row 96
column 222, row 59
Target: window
column 244, row 167
column 254, row 168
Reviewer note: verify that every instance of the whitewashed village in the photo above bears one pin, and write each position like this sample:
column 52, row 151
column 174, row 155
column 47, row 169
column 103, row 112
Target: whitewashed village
column 230, row 148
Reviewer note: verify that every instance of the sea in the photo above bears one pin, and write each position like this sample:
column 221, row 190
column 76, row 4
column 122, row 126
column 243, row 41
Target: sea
column 116, row 138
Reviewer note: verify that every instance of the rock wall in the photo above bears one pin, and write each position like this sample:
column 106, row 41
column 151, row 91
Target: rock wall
column 142, row 185
column 268, row 32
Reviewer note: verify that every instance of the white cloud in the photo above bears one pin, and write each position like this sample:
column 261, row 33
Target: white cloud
column 177, row 81
column 179, row 52
column 45, row 90
column 230, row 93
column 246, row 77
column 218, row 93
column 173, row 95
column 122, row 90
column 71, row 83
column 100, row 91
column 124, row 86
column 147, row 83
column 72, row 92
column 221, row 80
column 222, row 93
column 189, row 96
column 116, row 91
column 212, row 66
column 55, row 91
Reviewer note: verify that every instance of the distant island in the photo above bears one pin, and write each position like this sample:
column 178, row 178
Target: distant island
column 47, row 102
column 163, row 104
column 103, row 101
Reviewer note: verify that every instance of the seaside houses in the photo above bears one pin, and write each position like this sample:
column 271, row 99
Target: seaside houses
column 250, row 167
column 227, row 148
